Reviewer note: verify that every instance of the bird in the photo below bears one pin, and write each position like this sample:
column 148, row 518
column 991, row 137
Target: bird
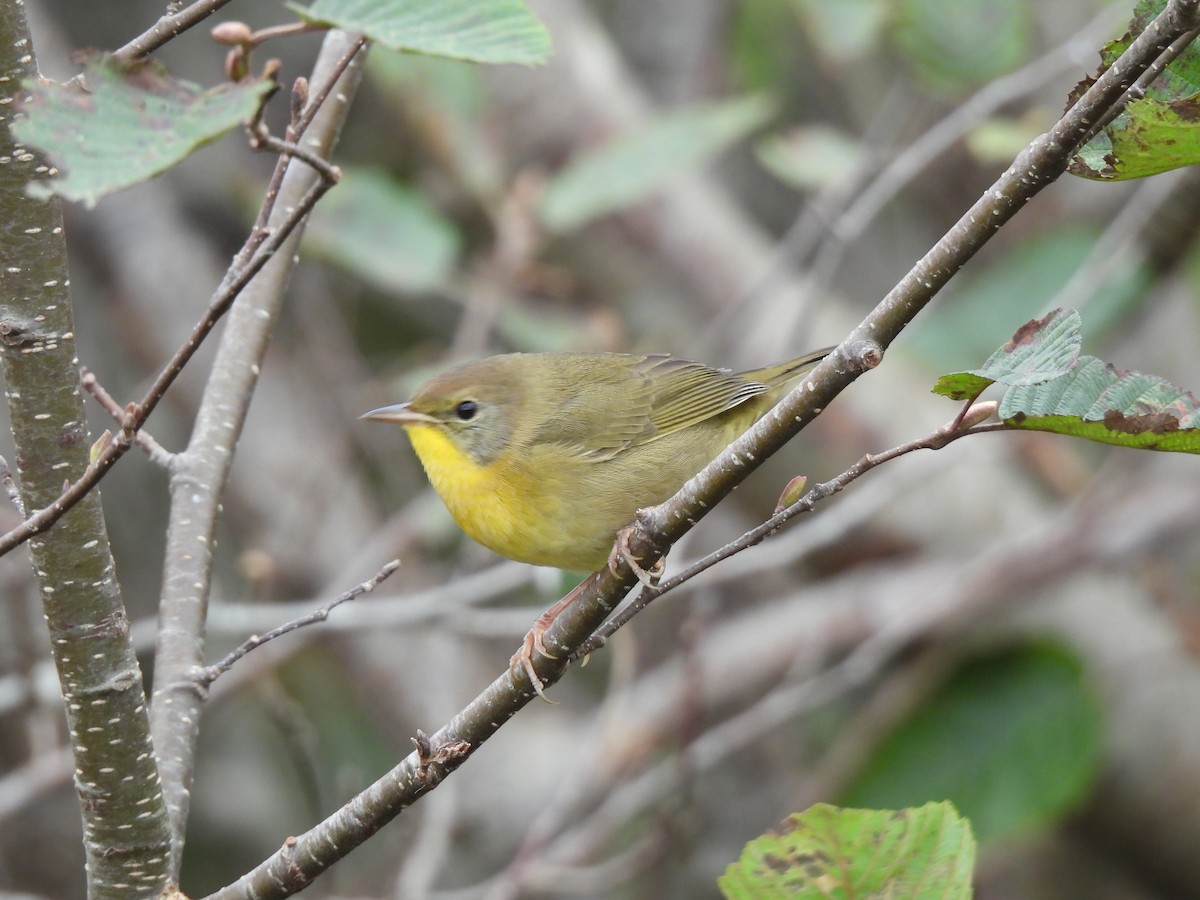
column 545, row 457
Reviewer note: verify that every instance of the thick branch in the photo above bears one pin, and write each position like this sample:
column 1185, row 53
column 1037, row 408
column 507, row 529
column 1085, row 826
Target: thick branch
column 124, row 816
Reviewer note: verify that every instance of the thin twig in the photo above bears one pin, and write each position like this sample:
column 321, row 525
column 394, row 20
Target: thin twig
column 145, row 441
column 44, row 518
column 168, row 27
column 322, row 94
column 213, row 672
column 291, row 29
column 261, row 139
column 300, row 122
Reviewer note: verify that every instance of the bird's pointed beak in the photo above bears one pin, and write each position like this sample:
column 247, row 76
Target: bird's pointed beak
column 400, row 414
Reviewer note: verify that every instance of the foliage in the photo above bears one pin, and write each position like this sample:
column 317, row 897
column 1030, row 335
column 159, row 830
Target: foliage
column 826, row 852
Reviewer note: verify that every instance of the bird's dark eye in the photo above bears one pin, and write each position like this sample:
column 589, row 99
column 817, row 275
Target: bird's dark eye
column 466, row 410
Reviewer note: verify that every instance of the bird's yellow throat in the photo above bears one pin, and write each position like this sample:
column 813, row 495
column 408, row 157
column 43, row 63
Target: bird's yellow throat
column 479, row 497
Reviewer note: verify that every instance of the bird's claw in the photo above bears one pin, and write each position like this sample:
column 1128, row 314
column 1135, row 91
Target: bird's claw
column 622, row 551
column 523, row 658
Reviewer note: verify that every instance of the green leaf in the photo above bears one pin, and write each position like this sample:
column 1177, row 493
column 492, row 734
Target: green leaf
column 1101, row 403
column 1013, row 740
column 1149, row 137
column 383, row 232
column 125, row 123
column 485, row 31
column 625, row 171
column 961, row 385
column 1052, row 388
column 827, row 852
column 1182, row 76
column 956, row 44
column 1040, row 350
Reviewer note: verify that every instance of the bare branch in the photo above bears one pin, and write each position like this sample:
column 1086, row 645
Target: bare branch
column 213, row 672
column 202, row 469
column 152, row 448
column 168, row 27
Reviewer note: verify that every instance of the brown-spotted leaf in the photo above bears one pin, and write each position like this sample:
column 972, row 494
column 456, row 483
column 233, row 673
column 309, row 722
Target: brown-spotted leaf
column 1040, row 350
column 121, row 123
column 829, row 852
column 1099, row 402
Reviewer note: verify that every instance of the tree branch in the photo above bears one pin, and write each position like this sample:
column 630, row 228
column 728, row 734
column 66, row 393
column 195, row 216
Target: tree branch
column 215, row 671
column 167, row 28
column 200, row 472
column 307, row 855
column 1038, row 165
column 125, row 834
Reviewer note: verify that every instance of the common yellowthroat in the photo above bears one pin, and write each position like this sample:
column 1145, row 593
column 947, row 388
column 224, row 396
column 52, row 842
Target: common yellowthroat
column 544, row 457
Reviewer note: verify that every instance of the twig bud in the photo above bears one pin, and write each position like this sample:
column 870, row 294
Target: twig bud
column 232, row 34
column 791, row 493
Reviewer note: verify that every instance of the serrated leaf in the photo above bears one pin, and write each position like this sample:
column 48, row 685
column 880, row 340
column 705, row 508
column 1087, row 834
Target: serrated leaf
column 125, row 123
column 1101, row 403
column 827, row 853
column 1182, row 75
column 1040, row 350
column 1013, row 740
column 383, row 232
column 625, row 171
column 484, row 31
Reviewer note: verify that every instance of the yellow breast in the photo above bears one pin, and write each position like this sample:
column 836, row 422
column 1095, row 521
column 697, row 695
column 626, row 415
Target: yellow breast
column 496, row 504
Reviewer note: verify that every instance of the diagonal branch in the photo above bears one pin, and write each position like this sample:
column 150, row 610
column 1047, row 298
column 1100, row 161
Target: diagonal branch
column 305, row 856
column 1044, row 160
column 168, row 27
